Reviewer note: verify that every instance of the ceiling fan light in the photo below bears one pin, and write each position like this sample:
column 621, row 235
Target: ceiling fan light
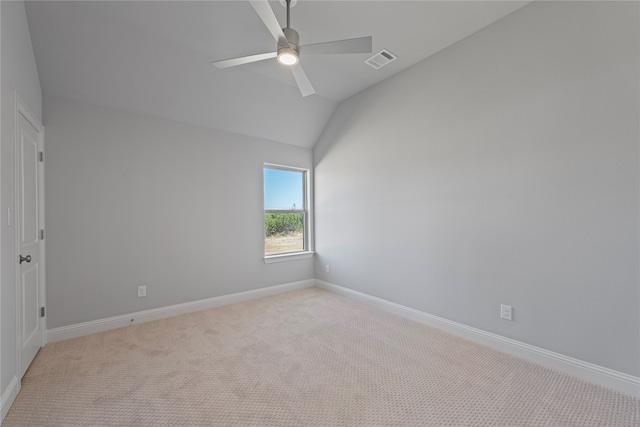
column 287, row 56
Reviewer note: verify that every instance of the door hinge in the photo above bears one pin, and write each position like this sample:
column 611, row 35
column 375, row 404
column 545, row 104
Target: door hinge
column 41, row 311
column 41, row 234
column 41, row 156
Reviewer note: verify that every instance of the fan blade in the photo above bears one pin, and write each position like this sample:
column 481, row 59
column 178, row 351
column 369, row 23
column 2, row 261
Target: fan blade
column 265, row 13
column 358, row 45
column 244, row 60
column 302, row 80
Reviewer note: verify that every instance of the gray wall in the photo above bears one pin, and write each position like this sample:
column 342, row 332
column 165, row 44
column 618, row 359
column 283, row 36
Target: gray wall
column 18, row 73
column 136, row 200
column 502, row 170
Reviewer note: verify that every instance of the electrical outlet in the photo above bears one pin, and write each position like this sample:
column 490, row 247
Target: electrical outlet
column 327, row 268
column 142, row 291
column 506, row 312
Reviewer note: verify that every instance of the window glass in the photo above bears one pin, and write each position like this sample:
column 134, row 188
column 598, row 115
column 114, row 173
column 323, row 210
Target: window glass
column 285, row 210
column 283, row 189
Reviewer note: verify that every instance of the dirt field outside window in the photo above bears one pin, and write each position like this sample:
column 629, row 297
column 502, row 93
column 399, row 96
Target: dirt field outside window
column 284, row 243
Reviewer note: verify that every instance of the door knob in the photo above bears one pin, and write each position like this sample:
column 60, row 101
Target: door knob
column 25, row 258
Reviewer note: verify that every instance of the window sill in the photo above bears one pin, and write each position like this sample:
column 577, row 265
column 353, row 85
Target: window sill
column 268, row 259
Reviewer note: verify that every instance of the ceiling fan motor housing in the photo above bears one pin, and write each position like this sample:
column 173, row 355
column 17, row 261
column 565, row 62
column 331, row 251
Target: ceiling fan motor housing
column 292, row 37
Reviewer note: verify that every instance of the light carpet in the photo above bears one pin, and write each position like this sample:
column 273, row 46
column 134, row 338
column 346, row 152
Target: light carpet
column 304, row 358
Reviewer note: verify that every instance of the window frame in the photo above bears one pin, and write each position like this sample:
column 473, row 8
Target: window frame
column 307, row 215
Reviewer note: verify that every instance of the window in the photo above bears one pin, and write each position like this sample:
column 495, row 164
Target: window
column 286, row 215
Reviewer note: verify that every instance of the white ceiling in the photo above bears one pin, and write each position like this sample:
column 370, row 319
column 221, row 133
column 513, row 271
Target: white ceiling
column 154, row 57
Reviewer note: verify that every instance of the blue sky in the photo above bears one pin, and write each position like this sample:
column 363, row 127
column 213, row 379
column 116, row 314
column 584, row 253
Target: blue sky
column 282, row 189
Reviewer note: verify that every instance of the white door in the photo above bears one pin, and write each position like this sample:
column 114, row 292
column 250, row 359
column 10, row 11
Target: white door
column 30, row 245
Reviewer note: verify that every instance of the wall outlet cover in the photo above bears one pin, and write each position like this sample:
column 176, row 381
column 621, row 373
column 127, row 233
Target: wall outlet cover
column 506, row 312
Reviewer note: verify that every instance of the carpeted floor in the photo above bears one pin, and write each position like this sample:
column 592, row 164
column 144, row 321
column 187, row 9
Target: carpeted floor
column 304, row 358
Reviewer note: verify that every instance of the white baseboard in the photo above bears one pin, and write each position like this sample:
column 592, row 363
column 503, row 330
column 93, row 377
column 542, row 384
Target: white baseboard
column 587, row 371
column 8, row 396
column 85, row 328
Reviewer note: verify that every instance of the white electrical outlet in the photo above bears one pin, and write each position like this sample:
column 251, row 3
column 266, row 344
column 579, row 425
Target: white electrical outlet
column 506, row 312
column 327, row 268
column 142, row 291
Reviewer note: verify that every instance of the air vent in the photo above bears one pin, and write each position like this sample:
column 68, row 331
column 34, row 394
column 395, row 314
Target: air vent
column 381, row 59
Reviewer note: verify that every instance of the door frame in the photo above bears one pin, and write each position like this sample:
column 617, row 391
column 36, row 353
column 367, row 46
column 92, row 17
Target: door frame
column 21, row 109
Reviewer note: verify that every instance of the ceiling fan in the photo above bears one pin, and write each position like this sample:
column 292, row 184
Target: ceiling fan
column 288, row 49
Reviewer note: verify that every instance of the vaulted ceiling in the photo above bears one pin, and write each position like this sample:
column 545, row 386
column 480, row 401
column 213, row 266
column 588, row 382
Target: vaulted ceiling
column 155, row 57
